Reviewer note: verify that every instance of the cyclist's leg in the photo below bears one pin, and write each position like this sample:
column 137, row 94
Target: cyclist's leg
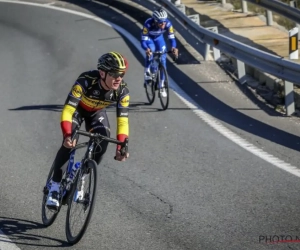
column 63, row 153
column 99, row 123
column 61, row 158
column 160, row 45
column 147, row 73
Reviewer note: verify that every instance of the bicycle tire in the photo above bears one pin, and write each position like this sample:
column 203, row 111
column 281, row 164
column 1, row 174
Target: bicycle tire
column 166, row 86
column 75, row 239
column 150, row 90
column 48, row 222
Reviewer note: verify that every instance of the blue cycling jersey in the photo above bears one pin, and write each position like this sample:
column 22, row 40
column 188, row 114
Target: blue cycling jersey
column 151, row 31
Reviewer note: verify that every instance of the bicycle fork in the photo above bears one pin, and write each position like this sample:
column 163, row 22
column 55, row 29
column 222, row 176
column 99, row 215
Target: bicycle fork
column 79, row 195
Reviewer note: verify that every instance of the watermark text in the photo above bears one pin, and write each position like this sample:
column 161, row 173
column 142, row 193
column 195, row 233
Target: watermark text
column 275, row 239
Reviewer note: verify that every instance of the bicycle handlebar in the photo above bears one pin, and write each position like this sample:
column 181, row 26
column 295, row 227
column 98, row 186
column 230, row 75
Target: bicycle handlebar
column 159, row 53
column 124, row 145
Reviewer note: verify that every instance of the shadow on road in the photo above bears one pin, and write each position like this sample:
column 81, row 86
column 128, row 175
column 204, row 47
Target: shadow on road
column 47, row 107
column 133, row 107
column 26, row 233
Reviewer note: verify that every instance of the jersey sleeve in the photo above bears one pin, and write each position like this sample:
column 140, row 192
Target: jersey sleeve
column 171, row 34
column 145, row 35
column 70, row 107
column 122, row 116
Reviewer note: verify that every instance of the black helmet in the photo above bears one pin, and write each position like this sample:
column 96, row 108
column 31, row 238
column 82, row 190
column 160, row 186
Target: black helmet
column 112, row 61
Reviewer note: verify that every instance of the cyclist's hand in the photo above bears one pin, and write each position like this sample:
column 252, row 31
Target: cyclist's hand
column 68, row 143
column 148, row 52
column 175, row 51
column 120, row 157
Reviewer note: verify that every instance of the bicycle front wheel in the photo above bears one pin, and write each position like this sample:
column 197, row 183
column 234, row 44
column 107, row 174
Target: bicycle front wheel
column 164, row 101
column 150, row 91
column 82, row 199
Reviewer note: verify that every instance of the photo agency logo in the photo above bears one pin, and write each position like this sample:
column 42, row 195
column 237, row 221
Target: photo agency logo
column 276, row 239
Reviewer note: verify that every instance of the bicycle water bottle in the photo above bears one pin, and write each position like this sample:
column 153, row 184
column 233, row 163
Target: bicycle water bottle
column 73, row 173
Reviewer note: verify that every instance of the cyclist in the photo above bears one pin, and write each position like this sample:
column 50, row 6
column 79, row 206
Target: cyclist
column 91, row 93
column 152, row 40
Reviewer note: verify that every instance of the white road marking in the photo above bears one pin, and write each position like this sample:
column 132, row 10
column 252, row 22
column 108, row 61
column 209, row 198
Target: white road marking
column 49, row 3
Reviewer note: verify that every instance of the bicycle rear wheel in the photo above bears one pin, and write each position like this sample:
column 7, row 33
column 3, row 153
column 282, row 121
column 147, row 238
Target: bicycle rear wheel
column 164, row 101
column 48, row 219
column 85, row 204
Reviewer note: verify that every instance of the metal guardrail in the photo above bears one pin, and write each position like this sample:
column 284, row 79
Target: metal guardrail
column 280, row 8
column 289, row 11
column 265, row 62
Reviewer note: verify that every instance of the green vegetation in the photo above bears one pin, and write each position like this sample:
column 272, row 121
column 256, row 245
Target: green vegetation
column 283, row 21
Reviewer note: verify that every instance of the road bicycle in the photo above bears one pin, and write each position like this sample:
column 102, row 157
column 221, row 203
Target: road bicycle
column 74, row 183
column 156, row 69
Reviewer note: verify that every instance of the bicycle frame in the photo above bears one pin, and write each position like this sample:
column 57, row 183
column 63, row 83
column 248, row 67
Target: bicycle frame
column 156, row 59
column 88, row 153
column 87, row 156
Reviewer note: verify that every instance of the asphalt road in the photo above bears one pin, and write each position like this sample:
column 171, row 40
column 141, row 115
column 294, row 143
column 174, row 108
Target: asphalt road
column 184, row 186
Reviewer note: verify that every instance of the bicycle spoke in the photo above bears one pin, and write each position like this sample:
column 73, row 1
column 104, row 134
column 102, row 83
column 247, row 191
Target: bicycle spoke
column 81, row 205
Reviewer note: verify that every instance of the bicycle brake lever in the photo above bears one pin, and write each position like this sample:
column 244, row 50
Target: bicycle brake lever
column 74, row 133
column 124, row 148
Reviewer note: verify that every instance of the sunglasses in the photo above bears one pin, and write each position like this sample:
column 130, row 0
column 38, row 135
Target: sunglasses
column 161, row 22
column 116, row 74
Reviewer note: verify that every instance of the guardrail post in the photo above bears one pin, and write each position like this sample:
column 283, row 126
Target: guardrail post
column 241, row 71
column 217, row 53
column 244, row 6
column 294, row 5
column 289, row 86
column 269, row 17
column 195, row 18
column 293, row 43
column 206, row 52
column 181, row 7
column 175, row 2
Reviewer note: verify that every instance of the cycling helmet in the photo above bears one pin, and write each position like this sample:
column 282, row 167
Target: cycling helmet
column 112, row 62
column 160, row 15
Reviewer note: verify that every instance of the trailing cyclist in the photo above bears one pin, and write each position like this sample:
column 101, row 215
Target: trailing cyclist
column 91, row 93
column 152, row 40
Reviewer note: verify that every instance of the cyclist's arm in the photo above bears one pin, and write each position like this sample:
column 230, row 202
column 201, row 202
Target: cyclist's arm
column 144, row 37
column 171, row 34
column 69, row 108
column 122, row 116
